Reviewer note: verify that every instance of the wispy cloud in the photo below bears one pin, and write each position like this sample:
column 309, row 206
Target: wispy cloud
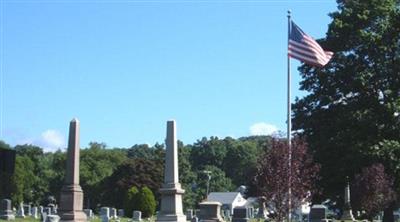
column 50, row 140
column 262, row 128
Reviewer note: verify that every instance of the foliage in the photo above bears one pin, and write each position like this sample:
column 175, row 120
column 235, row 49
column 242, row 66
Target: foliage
column 353, row 102
column 106, row 174
column 146, row 202
column 97, row 163
column 133, row 172
column 240, row 163
column 208, row 152
column 131, row 201
column 372, row 190
column 187, row 177
column 273, row 175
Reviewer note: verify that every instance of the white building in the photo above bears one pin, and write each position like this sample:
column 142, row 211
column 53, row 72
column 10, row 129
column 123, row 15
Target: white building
column 229, row 200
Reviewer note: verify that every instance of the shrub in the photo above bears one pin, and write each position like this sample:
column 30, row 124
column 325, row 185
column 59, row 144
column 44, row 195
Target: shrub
column 146, row 202
column 131, row 201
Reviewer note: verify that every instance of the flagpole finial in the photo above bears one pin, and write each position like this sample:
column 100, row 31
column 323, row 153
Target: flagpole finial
column 289, row 12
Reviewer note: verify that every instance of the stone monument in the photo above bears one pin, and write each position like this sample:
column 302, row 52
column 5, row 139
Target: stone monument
column 210, row 211
column 6, row 212
column 20, row 211
column 171, row 191
column 347, row 213
column 71, row 201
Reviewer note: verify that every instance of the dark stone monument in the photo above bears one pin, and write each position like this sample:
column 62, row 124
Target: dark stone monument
column 241, row 214
column 317, row 213
column 7, row 166
column 71, row 201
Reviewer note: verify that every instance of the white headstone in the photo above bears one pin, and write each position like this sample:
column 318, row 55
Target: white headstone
column 88, row 212
column 20, row 211
column 105, row 214
column 113, row 213
column 35, row 212
column 121, row 213
column 52, row 218
column 137, row 215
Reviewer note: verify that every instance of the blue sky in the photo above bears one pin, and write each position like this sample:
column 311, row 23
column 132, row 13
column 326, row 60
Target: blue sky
column 124, row 68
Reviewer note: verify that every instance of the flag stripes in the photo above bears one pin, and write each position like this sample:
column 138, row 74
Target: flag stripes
column 306, row 49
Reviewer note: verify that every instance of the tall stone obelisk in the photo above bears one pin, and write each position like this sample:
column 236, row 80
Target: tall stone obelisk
column 71, row 201
column 347, row 212
column 171, row 191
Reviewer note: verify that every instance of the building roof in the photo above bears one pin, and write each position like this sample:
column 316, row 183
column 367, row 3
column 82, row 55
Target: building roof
column 223, row 197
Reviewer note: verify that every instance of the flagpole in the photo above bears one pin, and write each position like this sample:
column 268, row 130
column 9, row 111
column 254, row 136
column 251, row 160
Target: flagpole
column 289, row 125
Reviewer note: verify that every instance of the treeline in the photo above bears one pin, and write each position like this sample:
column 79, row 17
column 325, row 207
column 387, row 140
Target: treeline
column 106, row 174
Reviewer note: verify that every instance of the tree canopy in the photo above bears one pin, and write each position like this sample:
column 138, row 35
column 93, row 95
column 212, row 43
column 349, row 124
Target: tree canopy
column 353, row 102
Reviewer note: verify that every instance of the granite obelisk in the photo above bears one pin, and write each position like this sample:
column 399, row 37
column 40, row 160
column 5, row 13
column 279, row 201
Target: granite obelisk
column 347, row 212
column 71, row 201
column 171, row 191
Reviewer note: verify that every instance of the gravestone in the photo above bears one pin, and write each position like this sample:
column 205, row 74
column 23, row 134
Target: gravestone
column 47, row 210
column 52, row 218
column 121, row 213
column 113, row 213
column 71, row 200
column 226, row 214
column 210, row 211
column 194, row 219
column 189, row 214
column 137, row 215
column 89, row 213
column 171, row 191
column 262, row 212
column 317, row 213
column 105, row 214
column 20, row 211
column 6, row 212
column 52, row 208
column 27, row 209
column 241, row 214
column 34, row 212
column 43, row 216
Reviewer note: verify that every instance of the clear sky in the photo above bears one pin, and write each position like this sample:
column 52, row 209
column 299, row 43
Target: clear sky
column 124, row 68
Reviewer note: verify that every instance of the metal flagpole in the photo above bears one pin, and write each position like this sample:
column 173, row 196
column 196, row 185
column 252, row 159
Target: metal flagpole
column 289, row 126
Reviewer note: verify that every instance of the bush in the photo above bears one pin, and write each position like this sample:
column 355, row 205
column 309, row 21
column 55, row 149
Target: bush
column 131, row 201
column 146, row 202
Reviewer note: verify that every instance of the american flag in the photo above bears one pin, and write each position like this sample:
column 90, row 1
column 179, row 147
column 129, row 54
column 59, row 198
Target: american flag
column 306, row 49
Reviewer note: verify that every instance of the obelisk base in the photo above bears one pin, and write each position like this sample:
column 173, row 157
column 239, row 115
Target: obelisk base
column 171, row 204
column 71, row 204
column 347, row 215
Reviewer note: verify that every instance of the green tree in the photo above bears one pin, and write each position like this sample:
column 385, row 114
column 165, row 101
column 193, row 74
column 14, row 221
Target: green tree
column 97, row 163
column 146, row 202
column 131, row 201
column 219, row 182
column 23, row 180
column 240, row 163
column 208, row 152
column 353, row 102
column 133, row 172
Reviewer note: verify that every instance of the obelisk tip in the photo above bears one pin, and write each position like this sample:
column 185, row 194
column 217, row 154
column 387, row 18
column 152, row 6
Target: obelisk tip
column 75, row 120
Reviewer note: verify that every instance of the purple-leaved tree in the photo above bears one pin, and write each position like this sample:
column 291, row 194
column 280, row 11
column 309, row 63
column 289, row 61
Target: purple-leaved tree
column 272, row 179
column 372, row 190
